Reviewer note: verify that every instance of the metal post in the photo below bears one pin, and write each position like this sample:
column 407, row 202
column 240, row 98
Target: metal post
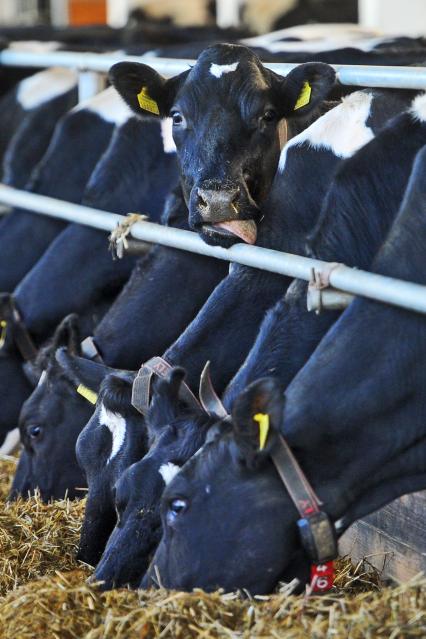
column 90, row 84
column 377, row 287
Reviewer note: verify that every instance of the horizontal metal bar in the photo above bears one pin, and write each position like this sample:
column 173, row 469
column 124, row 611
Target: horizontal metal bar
column 354, row 75
column 384, row 289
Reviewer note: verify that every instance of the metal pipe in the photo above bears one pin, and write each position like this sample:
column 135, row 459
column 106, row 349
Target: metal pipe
column 384, row 289
column 90, row 83
column 327, row 299
column 354, row 75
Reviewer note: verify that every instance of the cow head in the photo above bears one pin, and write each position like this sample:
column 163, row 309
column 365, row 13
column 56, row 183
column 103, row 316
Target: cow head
column 53, row 416
column 229, row 117
column 227, row 519
column 113, row 439
column 175, row 434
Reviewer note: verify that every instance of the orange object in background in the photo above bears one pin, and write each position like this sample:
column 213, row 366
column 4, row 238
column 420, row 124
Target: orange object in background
column 87, row 12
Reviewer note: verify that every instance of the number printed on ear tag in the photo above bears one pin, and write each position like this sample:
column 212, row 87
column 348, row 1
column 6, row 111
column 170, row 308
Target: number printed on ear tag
column 304, row 97
column 146, row 103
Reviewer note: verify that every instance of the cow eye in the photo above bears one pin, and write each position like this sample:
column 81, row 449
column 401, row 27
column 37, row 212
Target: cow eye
column 269, row 115
column 35, row 432
column 176, row 507
column 178, row 119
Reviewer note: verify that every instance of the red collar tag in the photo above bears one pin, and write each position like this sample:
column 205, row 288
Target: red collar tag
column 322, row 576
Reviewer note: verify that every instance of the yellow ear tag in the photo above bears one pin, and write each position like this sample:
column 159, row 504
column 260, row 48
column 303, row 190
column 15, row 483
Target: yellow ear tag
column 3, row 326
column 263, row 420
column 304, row 97
column 146, row 103
column 88, row 394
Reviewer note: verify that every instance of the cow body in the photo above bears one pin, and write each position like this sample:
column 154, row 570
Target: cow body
column 230, row 496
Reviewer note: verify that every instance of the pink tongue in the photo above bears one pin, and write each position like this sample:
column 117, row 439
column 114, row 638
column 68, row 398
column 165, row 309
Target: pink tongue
column 245, row 229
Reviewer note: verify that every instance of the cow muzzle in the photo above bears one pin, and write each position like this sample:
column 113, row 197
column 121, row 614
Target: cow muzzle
column 224, row 215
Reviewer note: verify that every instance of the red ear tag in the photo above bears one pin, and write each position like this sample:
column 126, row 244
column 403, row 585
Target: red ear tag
column 322, row 576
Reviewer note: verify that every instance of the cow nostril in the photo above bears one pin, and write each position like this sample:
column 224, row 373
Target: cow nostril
column 202, row 200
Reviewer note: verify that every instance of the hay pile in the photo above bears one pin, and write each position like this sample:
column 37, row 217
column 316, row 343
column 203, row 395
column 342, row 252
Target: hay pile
column 43, row 594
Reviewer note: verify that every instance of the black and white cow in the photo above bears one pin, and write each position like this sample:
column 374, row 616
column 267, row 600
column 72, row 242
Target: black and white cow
column 237, row 107
column 323, row 145
column 29, row 114
column 228, row 521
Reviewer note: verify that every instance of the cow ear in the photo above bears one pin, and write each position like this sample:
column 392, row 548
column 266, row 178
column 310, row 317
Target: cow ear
column 145, row 91
column 165, row 406
column 85, row 375
column 257, row 417
column 67, row 334
column 304, row 88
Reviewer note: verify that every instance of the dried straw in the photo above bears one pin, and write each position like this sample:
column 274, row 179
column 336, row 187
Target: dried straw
column 37, row 541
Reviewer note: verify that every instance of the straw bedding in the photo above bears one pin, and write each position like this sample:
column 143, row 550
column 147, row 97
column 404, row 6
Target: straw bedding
column 44, row 594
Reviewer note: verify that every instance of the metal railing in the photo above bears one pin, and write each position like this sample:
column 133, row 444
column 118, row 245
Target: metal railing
column 377, row 287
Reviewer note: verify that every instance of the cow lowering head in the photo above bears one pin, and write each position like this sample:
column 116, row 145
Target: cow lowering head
column 49, row 425
column 229, row 116
column 113, row 439
column 175, row 434
column 227, row 519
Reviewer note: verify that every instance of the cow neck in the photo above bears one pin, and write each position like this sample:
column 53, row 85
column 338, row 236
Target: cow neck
column 12, row 325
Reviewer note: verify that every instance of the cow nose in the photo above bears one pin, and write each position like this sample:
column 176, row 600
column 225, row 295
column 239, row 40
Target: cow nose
column 214, row 204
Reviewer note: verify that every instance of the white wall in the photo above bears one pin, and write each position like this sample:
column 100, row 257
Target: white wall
column 406, row 17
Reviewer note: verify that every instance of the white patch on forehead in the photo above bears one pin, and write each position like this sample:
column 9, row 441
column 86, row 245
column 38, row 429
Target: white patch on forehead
column 108, row 105
column 116, row 424
column 42, row 378
column 166, row 133
column 219, row 69
column 168, row 472
column 341, row 130
column 418, row 107
column 44, row 86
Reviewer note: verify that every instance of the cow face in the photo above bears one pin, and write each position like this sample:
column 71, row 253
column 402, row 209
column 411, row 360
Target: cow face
column 229, row 117
column 113, row 439
column 53, row 416
column 175, row 435
column 227, row 519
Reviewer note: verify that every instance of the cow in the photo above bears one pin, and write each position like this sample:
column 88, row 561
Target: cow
column 322, row 145
column 238, row 108
column 359, row 208
column 79, row 141
column 29, row 114
column 228, row 521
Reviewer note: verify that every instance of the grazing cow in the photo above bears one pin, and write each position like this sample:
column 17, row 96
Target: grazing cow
column 359, row 208
column 114, row 438
column 238, row 108
column 324, row 145
column 228, row 520
column 174, row 437
column 79, row 140
column 31, row 112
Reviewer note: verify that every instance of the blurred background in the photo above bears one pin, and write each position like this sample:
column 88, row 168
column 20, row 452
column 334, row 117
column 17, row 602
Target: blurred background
column 257, row 16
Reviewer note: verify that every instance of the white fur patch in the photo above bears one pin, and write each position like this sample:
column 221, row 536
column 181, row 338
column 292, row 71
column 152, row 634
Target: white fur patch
column 219, row 69
column 108, row 105
column 341, row 130
column 116, row 424
column 42, row 378
column 418, row 107
column 168, row 472
column 11, row 442
column 34, row 46
column 166, row 133
column 44, row 86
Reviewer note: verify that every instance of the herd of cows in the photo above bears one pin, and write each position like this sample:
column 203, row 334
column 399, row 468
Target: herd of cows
column 103, row 362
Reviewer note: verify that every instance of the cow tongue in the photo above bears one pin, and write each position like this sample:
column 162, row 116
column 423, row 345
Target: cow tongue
column 245, row 229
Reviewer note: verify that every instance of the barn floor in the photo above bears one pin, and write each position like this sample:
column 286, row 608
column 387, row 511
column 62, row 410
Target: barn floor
column 43, row 594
